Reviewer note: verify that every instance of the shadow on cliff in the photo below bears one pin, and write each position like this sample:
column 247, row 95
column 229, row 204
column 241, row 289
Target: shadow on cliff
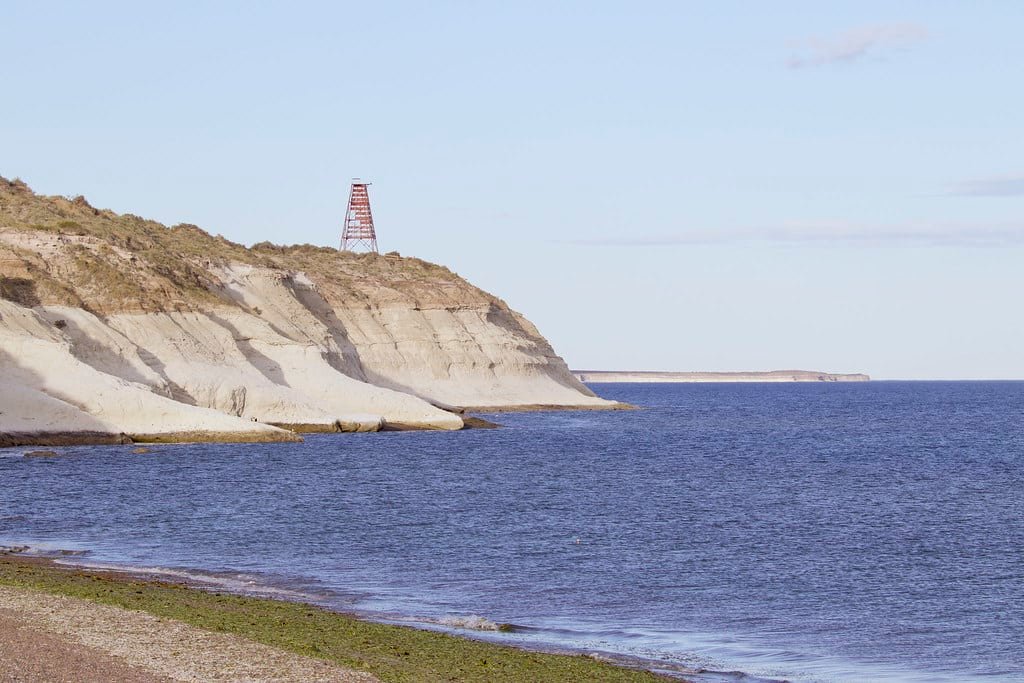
column 106, row 360
column 21, row 291
column 348, row 362
column 265, row 365
column 177, row 392
column 274, row 373
column 87, row 429
column 555, row 368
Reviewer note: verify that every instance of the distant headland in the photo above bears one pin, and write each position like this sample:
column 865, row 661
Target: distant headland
column 598, row 376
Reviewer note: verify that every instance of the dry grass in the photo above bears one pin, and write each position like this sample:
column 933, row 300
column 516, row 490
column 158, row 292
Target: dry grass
column 109, row 262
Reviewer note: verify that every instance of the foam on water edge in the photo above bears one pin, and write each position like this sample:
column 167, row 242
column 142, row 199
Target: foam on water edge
column 241, row 583
column 697, row 656
column 470, row 625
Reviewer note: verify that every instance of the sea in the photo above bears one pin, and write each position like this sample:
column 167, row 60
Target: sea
column 720, row 532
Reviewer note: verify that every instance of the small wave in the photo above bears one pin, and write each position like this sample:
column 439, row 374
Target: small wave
column 243, row 584
column 470, row 622
column 12, row 453
column 539, row 638
column 33, row 549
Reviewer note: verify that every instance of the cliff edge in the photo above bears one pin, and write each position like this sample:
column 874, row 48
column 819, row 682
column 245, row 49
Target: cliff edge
column 116, row 326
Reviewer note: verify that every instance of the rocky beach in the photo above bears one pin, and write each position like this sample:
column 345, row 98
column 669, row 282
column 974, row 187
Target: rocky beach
column 64, row 623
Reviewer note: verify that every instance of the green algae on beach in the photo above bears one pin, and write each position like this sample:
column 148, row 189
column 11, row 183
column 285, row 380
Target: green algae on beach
column 393, row 653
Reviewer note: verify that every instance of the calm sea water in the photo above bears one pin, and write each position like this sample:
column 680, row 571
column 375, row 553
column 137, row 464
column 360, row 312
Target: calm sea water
column 848, row 532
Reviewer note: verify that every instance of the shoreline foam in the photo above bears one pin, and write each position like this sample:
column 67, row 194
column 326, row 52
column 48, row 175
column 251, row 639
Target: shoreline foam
column 385, row 647
column 468, row 626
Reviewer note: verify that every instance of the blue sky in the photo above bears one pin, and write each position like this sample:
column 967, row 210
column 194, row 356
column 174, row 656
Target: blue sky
column 677, row 186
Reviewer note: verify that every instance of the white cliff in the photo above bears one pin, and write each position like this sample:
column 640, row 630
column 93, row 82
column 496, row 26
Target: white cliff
column 48, row 391
column 112, row 324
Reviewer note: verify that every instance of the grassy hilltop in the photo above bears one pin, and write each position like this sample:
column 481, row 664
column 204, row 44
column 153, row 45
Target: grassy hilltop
column 107, row 262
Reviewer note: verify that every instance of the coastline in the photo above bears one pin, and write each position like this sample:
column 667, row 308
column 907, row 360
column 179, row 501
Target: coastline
column 281, row 433
column 645, row 376
column 90, row 438
column 548, row 407
column 424, row 581
column 386, row 650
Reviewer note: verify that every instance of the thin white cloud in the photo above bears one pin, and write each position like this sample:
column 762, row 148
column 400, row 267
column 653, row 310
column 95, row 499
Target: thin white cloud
column 855, row 44
column 835, row 233
column 989, row 187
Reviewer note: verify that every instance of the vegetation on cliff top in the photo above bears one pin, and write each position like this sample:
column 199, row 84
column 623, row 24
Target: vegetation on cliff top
column 56, row 250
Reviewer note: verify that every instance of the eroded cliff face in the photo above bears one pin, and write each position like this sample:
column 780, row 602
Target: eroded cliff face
column 133, row 327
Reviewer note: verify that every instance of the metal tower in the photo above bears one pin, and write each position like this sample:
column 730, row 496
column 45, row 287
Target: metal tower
column 358, row 232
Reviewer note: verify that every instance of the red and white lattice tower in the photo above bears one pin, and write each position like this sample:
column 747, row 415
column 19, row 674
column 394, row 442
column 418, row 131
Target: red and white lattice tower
column 358, row 232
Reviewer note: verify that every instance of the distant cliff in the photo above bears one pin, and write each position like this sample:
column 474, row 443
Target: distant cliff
column 112, row 326
column 597, row 376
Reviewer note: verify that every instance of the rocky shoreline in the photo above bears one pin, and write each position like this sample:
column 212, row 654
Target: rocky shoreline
column 148, row 628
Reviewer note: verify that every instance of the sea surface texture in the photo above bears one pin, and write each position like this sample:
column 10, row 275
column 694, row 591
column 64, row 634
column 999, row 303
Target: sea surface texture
column 833, row 532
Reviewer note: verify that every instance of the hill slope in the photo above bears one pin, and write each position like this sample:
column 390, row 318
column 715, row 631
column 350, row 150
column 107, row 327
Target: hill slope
column 114, row 324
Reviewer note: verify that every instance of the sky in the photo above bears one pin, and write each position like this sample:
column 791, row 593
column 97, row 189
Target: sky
column 657, row 185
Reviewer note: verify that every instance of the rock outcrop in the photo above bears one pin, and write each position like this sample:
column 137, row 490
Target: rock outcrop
column 119, row 327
